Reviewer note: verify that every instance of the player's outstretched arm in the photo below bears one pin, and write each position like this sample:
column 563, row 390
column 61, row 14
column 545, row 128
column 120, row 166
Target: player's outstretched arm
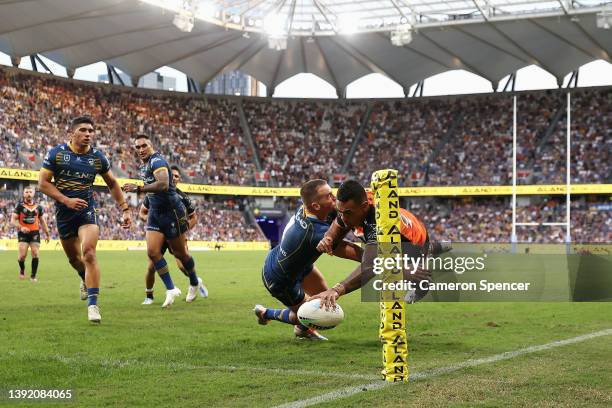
column 349, row 250
column 46, row 186
column 117, row 195
column 332, row 237
column 360, row 276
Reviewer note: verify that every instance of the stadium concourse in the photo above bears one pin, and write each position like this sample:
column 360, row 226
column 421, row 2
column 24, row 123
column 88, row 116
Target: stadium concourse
column 463, row 140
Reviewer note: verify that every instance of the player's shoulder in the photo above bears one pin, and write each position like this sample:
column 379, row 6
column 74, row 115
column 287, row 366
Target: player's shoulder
column 157, row 158
column 62, row 147
column 97, row 152
column 19, row 205
column 301, row 220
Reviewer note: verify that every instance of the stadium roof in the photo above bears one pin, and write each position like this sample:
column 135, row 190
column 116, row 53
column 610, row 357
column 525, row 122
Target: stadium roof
column 491, row 38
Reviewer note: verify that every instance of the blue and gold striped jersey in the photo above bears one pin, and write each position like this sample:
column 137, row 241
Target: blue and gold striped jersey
column 73, row 173
column 297, row 251
column 165, row 200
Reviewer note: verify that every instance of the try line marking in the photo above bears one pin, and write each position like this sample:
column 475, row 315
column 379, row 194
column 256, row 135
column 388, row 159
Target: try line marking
column 349, row 391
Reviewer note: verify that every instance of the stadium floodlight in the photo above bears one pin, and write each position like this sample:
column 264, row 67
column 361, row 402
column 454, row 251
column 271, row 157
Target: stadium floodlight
column 348, row 23
column 207, row 10
column 184, row 21
column 604, row 19
column 275, row 26
column 277, row 43
column 402, row 36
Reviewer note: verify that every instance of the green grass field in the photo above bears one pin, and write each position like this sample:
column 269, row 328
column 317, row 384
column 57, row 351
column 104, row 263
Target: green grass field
column 213, row 353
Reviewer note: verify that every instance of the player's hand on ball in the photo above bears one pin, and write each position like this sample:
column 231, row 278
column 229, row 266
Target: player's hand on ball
column 130, row 188
column 325, row 246
column 75, row 203
column 328, row 298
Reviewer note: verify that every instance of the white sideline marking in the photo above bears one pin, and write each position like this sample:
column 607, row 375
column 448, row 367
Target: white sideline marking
column 349, row 391
column 182, row 366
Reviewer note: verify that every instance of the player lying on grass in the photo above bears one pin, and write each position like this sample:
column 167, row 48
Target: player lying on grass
column 67, row 175
column 166, row 221
column 356, row 212
column 192, row 218
column 289, row 273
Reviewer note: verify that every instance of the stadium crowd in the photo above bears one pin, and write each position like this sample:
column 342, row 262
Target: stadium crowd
column 489, row 220
column 217, row 220
column 202, row 135
column 432, row 141
column 298, row 140
column 394, row 138
column 591, row 142
column 301, row 140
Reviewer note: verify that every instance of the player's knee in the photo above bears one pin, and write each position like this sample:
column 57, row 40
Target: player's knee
column 154, row 254
column 89, row 255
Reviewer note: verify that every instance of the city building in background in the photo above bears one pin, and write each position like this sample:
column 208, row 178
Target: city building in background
column 152, row 80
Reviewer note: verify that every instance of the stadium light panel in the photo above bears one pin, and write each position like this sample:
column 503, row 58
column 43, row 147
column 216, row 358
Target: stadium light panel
column 274, row 25
column 184, row 21
column 604, row 19
column 348, row 23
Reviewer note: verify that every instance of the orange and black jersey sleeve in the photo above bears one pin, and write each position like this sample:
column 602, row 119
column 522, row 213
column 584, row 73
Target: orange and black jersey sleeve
column 411, row 228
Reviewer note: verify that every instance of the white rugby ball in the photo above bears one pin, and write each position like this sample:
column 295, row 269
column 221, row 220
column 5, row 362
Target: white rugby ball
column 312, row 315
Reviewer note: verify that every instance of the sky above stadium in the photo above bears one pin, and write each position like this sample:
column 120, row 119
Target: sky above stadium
column 374, row 85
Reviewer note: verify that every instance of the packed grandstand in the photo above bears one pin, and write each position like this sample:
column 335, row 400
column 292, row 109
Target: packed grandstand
column 434, row 141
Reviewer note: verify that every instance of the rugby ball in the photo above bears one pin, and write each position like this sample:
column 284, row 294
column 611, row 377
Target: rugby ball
column 311, row 314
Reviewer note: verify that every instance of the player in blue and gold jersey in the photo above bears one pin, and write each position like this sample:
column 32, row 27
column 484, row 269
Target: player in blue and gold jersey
column 192, row 218
column 67, row 176
column 289, row 273
column 166, row 219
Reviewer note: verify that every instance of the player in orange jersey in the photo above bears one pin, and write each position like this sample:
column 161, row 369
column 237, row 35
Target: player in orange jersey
column 28, row 217
column 356, row 212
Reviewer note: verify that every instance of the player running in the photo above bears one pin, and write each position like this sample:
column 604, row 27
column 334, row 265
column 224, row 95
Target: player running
column 289, row 273
column 356, row 212
column 166, row 220
column 67, row 176
column 27, row 218
column 192, row 218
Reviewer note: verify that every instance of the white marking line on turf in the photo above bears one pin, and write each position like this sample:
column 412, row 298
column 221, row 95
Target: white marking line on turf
column 182, row 366
column 349, row 391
